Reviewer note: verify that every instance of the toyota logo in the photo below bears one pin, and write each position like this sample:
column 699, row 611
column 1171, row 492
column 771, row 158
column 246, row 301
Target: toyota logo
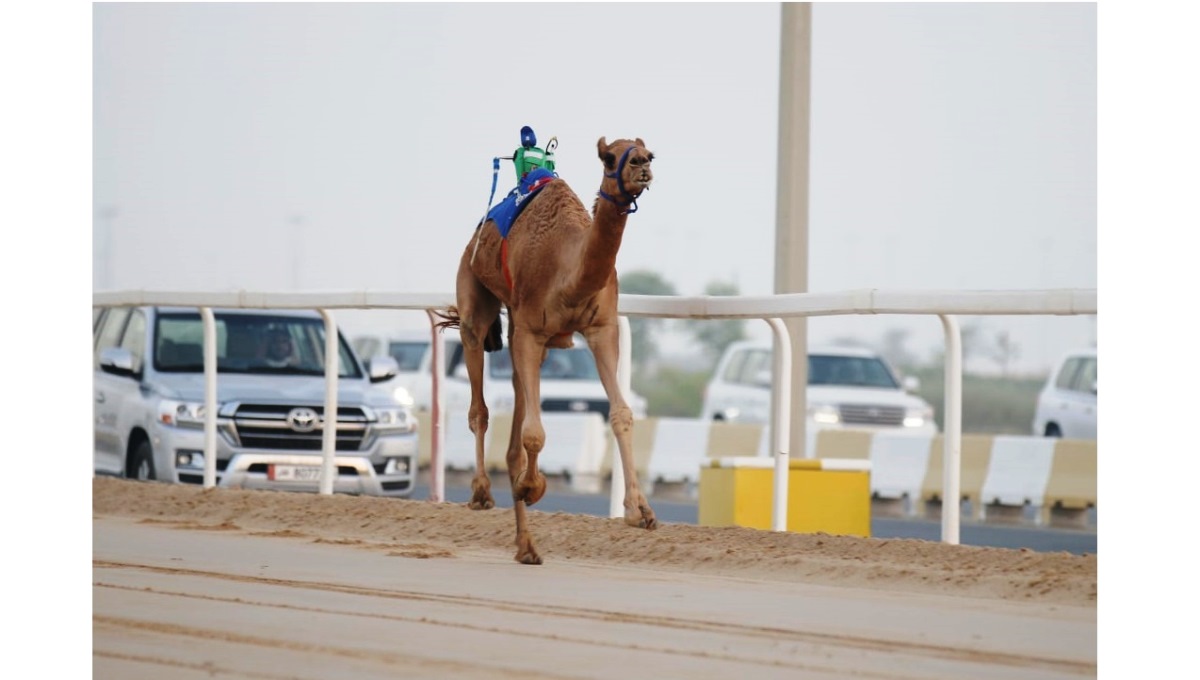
column 303, row 419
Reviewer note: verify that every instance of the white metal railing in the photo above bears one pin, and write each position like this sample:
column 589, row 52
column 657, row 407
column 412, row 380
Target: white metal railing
column 771, row 308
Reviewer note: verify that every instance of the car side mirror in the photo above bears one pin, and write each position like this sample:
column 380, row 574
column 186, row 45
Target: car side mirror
column 382, row 368
column 117, row 361
column 911, row 383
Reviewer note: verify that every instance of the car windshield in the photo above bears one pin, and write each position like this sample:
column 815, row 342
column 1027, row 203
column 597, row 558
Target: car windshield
column 408, row 354
column 561, row 364
column 853, row 371
column 248, row 343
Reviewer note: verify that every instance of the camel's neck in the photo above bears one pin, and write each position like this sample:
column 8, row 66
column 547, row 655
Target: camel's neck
column 599, row 255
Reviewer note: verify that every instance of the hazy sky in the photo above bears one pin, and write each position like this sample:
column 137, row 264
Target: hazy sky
column 349, row 146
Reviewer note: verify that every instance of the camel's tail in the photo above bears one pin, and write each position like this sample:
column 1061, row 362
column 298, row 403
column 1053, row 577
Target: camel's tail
column 450, row 319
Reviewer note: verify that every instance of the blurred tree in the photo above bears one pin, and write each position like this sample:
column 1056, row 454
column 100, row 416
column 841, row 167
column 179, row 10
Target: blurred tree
column 895, row 348
column 972, row 340
column 672, row 392
column 714, row 335
column 1005, row 351
column 642, row 330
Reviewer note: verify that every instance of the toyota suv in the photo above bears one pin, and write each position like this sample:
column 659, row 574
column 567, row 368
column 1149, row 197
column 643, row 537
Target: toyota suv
column 149, row 403
column 847, row 388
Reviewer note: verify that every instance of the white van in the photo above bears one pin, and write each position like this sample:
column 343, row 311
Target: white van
column 569, row 379
column 848, row 387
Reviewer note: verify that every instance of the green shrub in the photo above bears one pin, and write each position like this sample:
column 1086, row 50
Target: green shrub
column 990, row 404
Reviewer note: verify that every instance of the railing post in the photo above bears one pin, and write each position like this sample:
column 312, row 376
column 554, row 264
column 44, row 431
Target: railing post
column 952, row 452
column 330, row 421
column 210, row 397
column 437, row 417
column 782, row 389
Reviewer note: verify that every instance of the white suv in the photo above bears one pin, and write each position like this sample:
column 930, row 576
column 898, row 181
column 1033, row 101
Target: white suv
column 569, row 379
column 847, row 388
column 1066, row 406
column 149, row 418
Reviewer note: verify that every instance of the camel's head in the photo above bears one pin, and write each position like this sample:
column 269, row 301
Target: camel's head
column 626, row 170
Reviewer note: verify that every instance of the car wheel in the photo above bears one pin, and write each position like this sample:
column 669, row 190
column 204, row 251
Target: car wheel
column 141, row 463
column 1053, row 431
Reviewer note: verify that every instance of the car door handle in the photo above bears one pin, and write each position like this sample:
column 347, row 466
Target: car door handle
column 99, row 397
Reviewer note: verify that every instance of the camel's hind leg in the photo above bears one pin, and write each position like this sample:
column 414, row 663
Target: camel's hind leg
column 478, row 311
column 603, row 342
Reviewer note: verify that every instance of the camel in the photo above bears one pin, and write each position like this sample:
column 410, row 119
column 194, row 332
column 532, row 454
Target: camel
column 557, row 277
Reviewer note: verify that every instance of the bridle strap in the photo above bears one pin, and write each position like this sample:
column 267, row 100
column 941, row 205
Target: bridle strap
column 629, row 198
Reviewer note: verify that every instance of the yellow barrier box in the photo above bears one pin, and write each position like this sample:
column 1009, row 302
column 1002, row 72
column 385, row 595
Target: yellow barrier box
column 831, row 496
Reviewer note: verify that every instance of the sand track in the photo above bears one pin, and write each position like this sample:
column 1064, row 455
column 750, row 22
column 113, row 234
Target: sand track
column 425, row 530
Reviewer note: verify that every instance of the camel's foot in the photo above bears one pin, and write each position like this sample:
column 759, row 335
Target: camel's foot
column 526, row 553
column 638, row 514
column 530, row 491
column 481, row 498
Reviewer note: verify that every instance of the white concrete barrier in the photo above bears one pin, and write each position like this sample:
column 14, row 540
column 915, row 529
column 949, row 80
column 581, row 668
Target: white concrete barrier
column 575, row 443
column 898, row 464
column 1018, row 472
column 679, row 449
column 1013, row 471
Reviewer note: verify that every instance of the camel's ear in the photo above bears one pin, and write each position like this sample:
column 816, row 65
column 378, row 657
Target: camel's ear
column 641, row 143
column 609, row 159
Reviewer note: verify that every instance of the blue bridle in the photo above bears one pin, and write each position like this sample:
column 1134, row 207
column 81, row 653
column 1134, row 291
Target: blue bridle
column 629, row 198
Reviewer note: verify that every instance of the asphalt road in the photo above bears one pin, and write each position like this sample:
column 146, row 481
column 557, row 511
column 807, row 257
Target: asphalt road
column 1025, row 535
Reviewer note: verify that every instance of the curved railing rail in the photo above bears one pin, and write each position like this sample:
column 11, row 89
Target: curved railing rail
column 772, row 308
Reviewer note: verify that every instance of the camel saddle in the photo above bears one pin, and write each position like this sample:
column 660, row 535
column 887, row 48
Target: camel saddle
column 507, row 211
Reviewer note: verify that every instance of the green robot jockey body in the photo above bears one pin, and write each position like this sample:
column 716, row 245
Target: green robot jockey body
column 530, row 156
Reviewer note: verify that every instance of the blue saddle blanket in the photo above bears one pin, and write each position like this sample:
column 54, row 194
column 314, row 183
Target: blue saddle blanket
column 507, row 211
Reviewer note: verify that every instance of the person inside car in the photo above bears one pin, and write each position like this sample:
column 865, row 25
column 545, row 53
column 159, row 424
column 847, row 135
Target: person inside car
column 278, row 351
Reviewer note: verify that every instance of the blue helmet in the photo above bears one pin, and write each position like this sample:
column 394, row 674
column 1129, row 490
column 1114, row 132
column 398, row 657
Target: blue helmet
column 528, row 139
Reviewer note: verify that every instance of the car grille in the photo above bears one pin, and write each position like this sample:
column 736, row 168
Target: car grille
column 576, row 406
column 859, row 414
column 265, row 426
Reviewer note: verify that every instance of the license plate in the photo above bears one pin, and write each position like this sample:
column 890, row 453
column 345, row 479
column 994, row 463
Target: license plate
column 294, row 473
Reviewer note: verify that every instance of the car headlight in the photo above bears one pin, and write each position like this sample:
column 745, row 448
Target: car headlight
column 504, row 403
column 398, row 466
column 181, row 413
column 395, row 419
column 917, row 416
column 189, row 460
column 403, row 396
column 825, row 414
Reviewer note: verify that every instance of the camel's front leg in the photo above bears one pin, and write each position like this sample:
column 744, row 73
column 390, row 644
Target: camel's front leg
column 528, row 483
column 603, row 341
